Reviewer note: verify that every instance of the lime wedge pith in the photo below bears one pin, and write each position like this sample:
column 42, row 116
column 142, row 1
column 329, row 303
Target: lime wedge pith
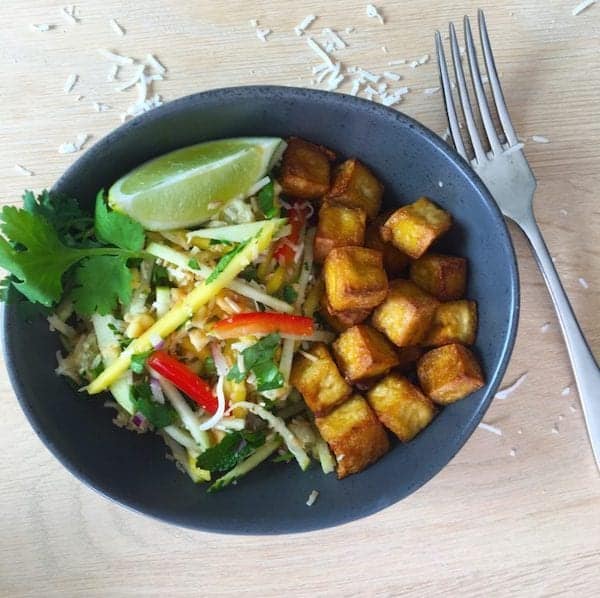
column 187, row 186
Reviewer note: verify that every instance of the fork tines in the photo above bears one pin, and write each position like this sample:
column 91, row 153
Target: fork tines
column 493, row 140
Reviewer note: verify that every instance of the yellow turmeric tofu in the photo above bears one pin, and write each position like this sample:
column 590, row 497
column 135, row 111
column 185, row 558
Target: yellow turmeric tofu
column 401, row 407
column 449, row 373
column 406, row 314
column 354, row 278
column 453, row 322
column 306, row 169
column 413, row 228
column 443, row 276
column 319, row 381
column 354, row 185
column 408, row 357
column 362, row 353
column 354, row 434
column 338, row 226
column 394, row 261
column 342, row 320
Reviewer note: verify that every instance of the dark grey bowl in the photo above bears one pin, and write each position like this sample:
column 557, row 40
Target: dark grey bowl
column 410, row 160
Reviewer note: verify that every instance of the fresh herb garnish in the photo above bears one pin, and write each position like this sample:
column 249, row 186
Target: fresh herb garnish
column 249, row 273
column 266, row 200
column 289, row 294
column 260, row 359
column 159, row 276
column 225, row 261
column 285, row 457
column 123, row 341
column 138, row 361
column 234, row 447
column 209, row 369
column 157, row 414
column 193, row 264
column 39, row 250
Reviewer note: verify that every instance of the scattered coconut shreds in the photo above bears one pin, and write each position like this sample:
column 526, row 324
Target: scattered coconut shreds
column 572, row 407
column 513, row 452
column 118, row 29
column 491, row 429
column 41, row 27
column 68, row 12
column 373, row 13
column 540, row 139
column 312, row 497
column 514, row 148
column 564, row 212
column 116, row 58
column 440, row 184
column 561, row 417
column 355, row 87
column 155, row 64
column 70, row 82
column 262, row 33
column 139, row 74
column 314, row 46
column 431, row 91
column 79, row 98
column 566, row 391
column 582, row 6
column 67, row 148
column 545, row 327
column 100, row 107
column 81, row 140
column 583, row 282
column 519, row 431
column 391, row 76
column 555, row 429
column 24, row 171
column 413, row 64
column 423, row 59
column 113, row 73
column 253, row 23
column 349, row 30
column 306, row 22
column 335, row 42
column 446, row 134
column 384, row 49
column 397, row 62
column 508, row 390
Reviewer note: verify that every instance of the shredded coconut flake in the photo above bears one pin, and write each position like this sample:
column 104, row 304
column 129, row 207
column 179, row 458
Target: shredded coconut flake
column 572, row 407
column 314, row 46
column 312, row 497
column 262, row 33
column 513, row 452
column 70, row 82
column 508, row 390
column 22, row 170
column 41, row 27
column 491, row 429
column 545, row 327
column 563, row 212
column 384, row 49
column 423, row 59
column 139, row 74
column 100, row 107
column 67, row 148
column 566, row 391
column 555, row 429
column 440, row 184
column 116, row 58
column 431, row 91
column 582, row 6
column 583, row 283
column 540, row 139
column 155, row 64
column 113, row 73
column 349, row 30
column 391, row 76
column 118, row 29
column 336, row 41
column 397, row 62
column 373, row 13
column 306, row 22
column 253, row 23
column 68, row 12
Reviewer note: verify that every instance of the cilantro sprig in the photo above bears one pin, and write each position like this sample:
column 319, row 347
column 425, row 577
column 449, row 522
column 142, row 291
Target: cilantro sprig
column 51, row 243
column 232, row 449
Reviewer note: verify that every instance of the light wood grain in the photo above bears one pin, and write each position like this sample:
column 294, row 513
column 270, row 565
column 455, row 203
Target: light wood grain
column 490, row 524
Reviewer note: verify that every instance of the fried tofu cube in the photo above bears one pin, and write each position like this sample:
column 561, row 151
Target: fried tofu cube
column 394, row 261
column 319, row 381
column 413, row 228
column 305, row 169
column 354, row 434
column 342, row 320
column 354, row 278
column 443, row 276
column 408, row 357
column 338, row 226
column 406, row 314
column 362, row 353
column 401, row 407
column 453, row 322
column 354, row 185
column 449, row 373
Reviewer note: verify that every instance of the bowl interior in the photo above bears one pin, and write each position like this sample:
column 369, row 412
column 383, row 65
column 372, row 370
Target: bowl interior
column 411, row 161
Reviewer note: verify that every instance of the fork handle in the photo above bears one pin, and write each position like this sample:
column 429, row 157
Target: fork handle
column 585, row 368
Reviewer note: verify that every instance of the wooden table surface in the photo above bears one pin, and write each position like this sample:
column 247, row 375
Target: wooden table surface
column 516, row 514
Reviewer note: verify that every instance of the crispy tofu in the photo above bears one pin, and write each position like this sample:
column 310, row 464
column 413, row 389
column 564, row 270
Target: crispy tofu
column 406, row 314
column 449, row 373
column 354, row 434
column 338, row 226
column 394, row 261
column 408, row 357
column 413, row 228
column 342, row 320
column 443, row 276
column 320, row 381
column 305, row 169
column 453, row 322
column 354, row 185
column 354, row 278
column 362, row 353
column 401, row 407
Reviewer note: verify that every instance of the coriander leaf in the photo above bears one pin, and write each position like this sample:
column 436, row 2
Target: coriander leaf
column 268, row 376
column 100, row 282
column 208, row 367
column 225, row 261
column 249, row 273
column 160, row 276
column 234, row 447
column 289, row 294
column 157, row 414
column 235, row 374
column 138, row 361
column 263, row 350
column 266, row 200
column 193, row 264
column 115, row 228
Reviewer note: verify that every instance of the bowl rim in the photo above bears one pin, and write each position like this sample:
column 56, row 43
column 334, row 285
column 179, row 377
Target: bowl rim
column 251, row 91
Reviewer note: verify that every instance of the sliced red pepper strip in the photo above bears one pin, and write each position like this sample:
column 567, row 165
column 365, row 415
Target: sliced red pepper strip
column 184, row 379
column 284, row 253
column 255, row 323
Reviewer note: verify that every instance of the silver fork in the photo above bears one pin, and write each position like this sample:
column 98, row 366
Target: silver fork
column 506, row 173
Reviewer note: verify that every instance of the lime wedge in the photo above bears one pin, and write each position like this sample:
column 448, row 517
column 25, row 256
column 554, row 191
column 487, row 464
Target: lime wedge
column 186, row 187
